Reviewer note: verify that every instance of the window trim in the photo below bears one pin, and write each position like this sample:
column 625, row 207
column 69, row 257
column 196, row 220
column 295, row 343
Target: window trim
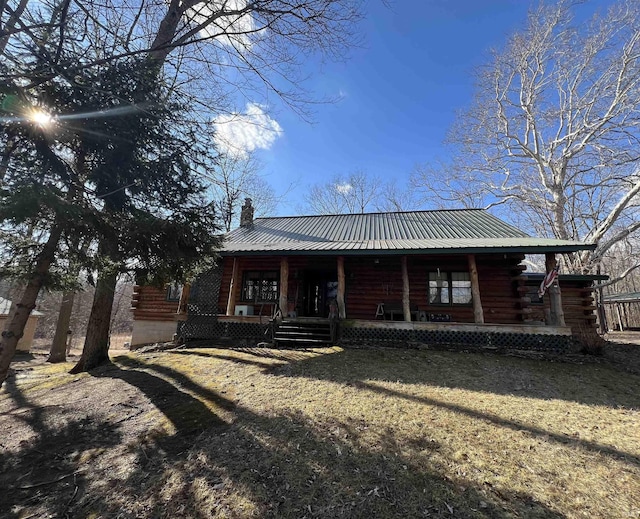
column 447, row 276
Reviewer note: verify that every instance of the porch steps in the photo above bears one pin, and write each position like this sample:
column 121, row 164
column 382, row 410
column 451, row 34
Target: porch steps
column 300, row 333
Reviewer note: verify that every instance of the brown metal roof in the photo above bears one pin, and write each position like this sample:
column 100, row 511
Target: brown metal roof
column 443, row 231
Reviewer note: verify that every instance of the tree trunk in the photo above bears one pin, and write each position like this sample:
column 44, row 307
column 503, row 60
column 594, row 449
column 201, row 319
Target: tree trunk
column 161, row 46
column 18, row 317
column 58, row 351
column 96, row 343
column 555, row 297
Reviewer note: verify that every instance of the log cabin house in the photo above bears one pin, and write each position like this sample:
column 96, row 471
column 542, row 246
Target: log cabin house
column 453, row 277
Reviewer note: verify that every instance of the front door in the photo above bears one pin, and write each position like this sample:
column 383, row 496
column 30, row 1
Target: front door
column 320, row 288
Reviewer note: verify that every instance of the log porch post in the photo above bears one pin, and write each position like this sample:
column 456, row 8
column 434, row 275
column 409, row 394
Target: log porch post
column 406, row 301
column 478, row 312
column 184, row 298
column 284, row 286
column 555, row 297
column 619, row 317
column 233, row 288
column 342, row 312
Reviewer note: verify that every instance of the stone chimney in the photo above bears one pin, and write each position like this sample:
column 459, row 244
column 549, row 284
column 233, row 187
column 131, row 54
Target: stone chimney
column 246, row 214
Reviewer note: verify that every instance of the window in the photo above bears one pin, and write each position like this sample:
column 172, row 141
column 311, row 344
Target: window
column 439, row 288
column 260, row 287
column 174, row 291
column 449, row 288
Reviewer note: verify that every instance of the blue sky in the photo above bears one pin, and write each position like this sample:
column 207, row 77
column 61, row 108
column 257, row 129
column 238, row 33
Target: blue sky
column 399, row 93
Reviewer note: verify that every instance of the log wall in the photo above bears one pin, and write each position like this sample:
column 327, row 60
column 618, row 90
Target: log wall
column 578, row 303
column 150, row 304
column 371, row 280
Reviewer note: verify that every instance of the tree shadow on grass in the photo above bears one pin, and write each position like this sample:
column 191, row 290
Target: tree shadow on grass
column 362, row 369
column 53, row 467
column 172, row 393
column 484, row 373
column 287, row 466
column 589, row 384
column 288, row 355
column 49, row 471
column 272, row 465
column 215, row 355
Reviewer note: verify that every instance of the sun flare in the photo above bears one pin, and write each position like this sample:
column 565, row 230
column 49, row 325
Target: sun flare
column 41, row 118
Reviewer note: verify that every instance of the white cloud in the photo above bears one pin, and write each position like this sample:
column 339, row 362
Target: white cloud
column 232, row 30
column 241, row 133
column 344, row 188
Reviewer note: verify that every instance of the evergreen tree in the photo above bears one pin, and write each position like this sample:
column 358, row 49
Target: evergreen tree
column 115, row 165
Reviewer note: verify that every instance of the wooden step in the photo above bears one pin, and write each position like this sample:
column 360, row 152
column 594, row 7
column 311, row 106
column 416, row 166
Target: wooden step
column 301, row 332
column 301, row 342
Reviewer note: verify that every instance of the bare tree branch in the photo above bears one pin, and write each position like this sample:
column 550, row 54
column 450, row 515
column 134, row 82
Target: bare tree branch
column 554, row 129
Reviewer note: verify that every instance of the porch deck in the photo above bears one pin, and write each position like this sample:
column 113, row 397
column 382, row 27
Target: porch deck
column 524, row 328
column 359, row 333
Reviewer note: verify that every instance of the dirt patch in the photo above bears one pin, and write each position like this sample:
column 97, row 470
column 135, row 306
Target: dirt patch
column 61, row 431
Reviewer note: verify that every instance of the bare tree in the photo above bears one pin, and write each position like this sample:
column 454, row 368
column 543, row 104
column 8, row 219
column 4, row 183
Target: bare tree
column 233, row 178
column 354, row 193
column 622, row 266
column 9, row 17
column 395, row 197
column 358, row 193
column 554, row 129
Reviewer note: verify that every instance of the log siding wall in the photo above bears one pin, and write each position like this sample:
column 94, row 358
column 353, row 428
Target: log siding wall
column 150, row 304
column 370, row 283
column 371, row 280
column 578, row 303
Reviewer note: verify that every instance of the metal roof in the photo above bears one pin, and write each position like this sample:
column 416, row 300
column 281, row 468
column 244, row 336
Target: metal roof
column 413, row 232
column 537, row 277
column 628, row 297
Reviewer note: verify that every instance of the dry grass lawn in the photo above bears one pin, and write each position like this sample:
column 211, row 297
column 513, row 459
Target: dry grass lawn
column 320, row 433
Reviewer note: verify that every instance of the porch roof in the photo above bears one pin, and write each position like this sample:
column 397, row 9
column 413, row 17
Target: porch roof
column 413, row 232
column 628, row 297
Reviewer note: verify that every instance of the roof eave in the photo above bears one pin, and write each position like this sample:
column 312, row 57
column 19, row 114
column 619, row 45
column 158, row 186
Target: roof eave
column 538, row 276
column 530, row 249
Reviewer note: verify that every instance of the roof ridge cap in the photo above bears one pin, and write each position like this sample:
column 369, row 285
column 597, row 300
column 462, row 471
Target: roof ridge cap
column 457, row 209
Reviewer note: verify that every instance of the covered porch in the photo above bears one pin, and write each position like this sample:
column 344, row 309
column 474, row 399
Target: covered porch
column 462, row 288
column 461, row 300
